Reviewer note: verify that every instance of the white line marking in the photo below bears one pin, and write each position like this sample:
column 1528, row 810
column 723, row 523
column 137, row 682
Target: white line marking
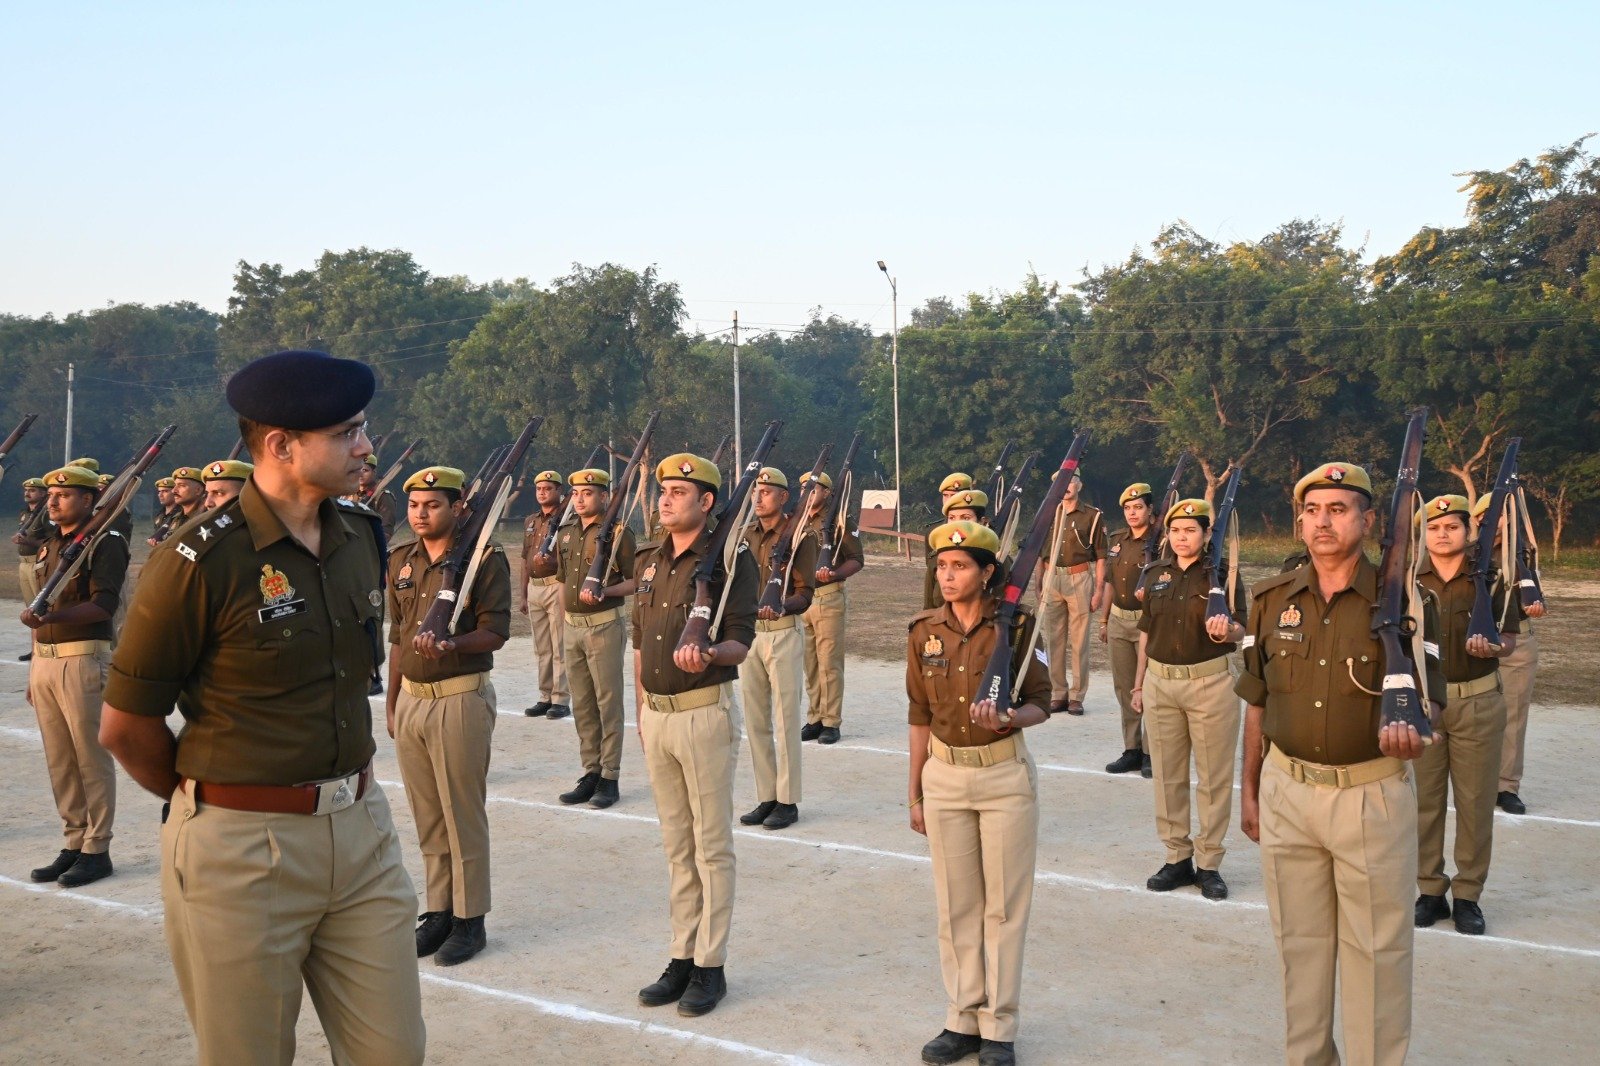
column 82, row 897
column 21, row 734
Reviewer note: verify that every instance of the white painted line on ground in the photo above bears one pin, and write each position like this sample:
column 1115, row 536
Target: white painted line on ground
column 21, row 734
column 569, row 1011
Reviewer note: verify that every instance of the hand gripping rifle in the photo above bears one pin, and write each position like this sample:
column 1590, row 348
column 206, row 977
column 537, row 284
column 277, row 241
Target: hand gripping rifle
column 1224, row 562
column 114, row 499
column 394, row 469
column 1397, row 621
column 997, row 683
column 605, row 546
column 1010, row 508
column 481, row 511
column 1153, row 544
column 10, row 443
column 699, row 631
column 997, row 479
column 834, row 523
column 1483, row 622
column 790, row 531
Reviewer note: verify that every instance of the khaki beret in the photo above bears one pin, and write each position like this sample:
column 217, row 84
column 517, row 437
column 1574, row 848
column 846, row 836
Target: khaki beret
column 34, row 483
column 955, row 482
column 771, row 475
column 77, row 477
column 822, row 479
column 589, row 475
column 972, row 536
column 1138, row 490
column 87, row 464
column 163, row 483
column 228, row 470
column 551, row 476
column 371, row 460
column 976, row 499
column 106, row 479
column 1199, row 510
column 188, row 473
column 1333, row 476
column 1480, row 506
column 436, row 479
column 1449, row 504
column 686, row 466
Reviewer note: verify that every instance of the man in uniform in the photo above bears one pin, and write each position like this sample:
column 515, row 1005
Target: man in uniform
column 1517, row 668
column 824, row 621
column 1119, row 625
column 33, row 529
column 689, row 724
column 225, row 479
column 383, row 503
column 71, row 645
column 123, row 523
column 279, row 860
column 167, row 512
column 1464, row 758
column 1072, row 587
column 774, row 675
column 931, row 597
column 1326, row 791
column 542, row 598
column 441, row 712
column 188, row 493
column 593, row 635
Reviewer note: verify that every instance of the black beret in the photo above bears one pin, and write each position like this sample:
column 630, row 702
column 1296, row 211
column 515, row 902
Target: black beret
column 301, row 390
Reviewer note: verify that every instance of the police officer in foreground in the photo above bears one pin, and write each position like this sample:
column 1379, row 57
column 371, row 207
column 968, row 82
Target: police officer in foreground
column 441, row 713
column 1119, row 625
column 542, row 598
column 279, row 859
column 1326, row 792
column 225, row 479
column 71, row 645
column 689, row 723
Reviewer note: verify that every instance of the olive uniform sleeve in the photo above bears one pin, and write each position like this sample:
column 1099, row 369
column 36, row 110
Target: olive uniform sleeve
column 108, row 569
column 1097, row 537
column 739, row 618
column 1431, row 628
column 627, row 554
column 918, row 709
column 166, row 630
column 491, row 594
column 803, row 571
column 1252, row 684
column 1035, row 675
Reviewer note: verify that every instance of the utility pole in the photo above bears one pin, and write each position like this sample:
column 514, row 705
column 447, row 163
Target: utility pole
column 67, row 458
column 738, row 425
column 894, row 366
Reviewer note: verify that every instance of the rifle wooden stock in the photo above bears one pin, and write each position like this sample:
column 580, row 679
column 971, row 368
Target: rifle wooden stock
column 697, row 629
column 595, row 580
column 1221, row 518
column 394, row 469
column 996, row 683
column 237, row 449
column 1392, row 623
column 1482, row 622
column 783, row 552
column 15, row 437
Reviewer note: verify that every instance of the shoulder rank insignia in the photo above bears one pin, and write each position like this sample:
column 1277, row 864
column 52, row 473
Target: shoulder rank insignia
column 275, row 587
column 933, row 647
column 223, row 521
column 1290, row 618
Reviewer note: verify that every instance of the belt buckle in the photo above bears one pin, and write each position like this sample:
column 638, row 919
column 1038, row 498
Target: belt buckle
column 970, row 757
column 335, row 796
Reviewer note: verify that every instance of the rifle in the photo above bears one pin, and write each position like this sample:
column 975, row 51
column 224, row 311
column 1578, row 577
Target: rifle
column 10, row 443
column 473, row 532
column 1398, row 616
column 698, row 630
column 605, row 542
column 1011, row 507
column 1529, row 590
column 113, row 500
column 997, row 684
column 489, row 465
column 394, row 469
column 1482, row 622
column 1154, row 544
column 833, row 524
column 790, row 531
column 997, row 480
column 1222, row 569
column 237, row 449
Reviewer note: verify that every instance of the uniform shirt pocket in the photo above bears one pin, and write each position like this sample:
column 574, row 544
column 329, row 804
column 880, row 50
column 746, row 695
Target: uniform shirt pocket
column 1285, row 660
column 1359, row 667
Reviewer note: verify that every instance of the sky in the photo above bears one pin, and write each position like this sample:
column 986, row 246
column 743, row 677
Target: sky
column 764, row 157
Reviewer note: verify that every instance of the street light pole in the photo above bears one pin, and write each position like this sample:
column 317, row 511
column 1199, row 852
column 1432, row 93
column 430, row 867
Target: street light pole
column 68, row 457
column 894, row 368
column 738, row 414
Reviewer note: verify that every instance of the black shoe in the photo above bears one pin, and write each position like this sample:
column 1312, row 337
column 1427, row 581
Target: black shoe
column 782, row 817
column 1075, row 708
column 1126, row 763
column 1469, row 917
column 1212, row 886
column 669, row 988
column 86, row 871
column 433, row 929
column 1145, row 770
column 759, row 815
column 1511, row 803
column 538, row 710
column 810, row 731
column 557, row 711
column 1172, row 875
column 950, row 1047
column 1055, row 709
column 375, row 689
column 707, row 986
column 1429, row 909
column 466, row 939
column 585, row 790
column 26, row 656
column 62, row 864
column 997, row 1053
column 605, row 794
column 830, row 735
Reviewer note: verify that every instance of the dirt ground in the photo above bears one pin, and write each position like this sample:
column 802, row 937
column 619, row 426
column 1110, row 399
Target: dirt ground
column 833, row 956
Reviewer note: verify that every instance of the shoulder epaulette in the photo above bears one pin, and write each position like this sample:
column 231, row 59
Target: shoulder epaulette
column 1268, row 583
column 921, row 616
column 356, row 505
column 201, row 536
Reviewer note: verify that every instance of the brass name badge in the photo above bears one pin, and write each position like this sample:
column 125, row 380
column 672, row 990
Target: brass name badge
column 928, row 660
column 1296, row 637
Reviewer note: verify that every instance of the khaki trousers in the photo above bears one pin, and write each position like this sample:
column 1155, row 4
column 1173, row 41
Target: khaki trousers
column 594, row 675
column 824, row 657
column 1463, row 759
column 1337, row 863
column 545, row 615
column 691, row 755
column 256, row 904
column 27, row 580
column 83, row 776
column 1201, row 716
column 1516, row 681
column 443, row 749
column 1122, row 644
column 983, row 832
column 771, row 683
column 1064, row 613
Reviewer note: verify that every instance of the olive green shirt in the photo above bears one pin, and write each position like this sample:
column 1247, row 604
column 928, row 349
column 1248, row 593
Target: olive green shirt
column 945, row 664
column 802, row 563
column 98, row 581
column 1125, row 556
column 33, row 525
column 534, row 529
column 575, row 551
column 267, row 650
column 661, row 605
column 1174, row 618
column 414, row 584
column 1305, row 657
column 1083, row 536
column 1455, row 598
